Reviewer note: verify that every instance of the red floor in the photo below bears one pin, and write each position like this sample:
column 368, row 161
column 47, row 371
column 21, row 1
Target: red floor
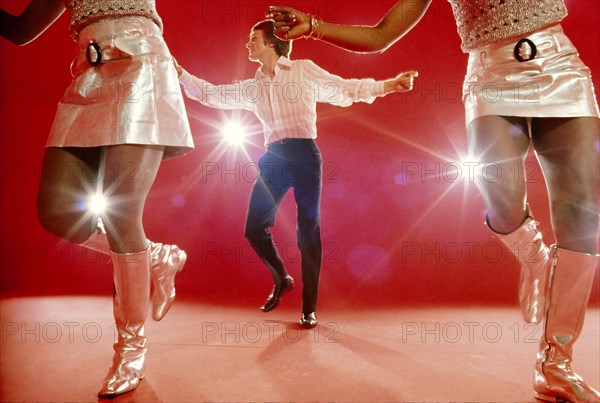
column 58, row 349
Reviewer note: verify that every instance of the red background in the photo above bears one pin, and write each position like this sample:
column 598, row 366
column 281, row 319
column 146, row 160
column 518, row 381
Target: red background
column 390, row 238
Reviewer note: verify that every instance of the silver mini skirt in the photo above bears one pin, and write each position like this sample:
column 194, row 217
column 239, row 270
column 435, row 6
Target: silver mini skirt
column 540, row 75
column 125, row 91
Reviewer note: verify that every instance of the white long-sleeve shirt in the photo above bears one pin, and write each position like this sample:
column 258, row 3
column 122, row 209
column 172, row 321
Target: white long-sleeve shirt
column 287, row 104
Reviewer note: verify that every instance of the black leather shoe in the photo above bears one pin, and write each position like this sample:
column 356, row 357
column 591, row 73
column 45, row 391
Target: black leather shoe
column 278, row 291
column 308, row 320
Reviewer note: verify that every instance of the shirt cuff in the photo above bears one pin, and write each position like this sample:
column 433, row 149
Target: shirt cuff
column 379, row 89
column 185, row 79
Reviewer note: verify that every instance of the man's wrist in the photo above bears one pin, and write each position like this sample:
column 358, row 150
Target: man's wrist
column 389, row 86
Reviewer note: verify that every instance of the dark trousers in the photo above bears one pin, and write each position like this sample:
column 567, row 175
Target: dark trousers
column 297, row 164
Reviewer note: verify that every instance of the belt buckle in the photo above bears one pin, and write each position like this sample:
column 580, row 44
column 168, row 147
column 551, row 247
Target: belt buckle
column 519, row 50
column 93, row 54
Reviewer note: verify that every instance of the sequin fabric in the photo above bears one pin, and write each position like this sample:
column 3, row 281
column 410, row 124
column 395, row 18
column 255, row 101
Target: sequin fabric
column 85, row 12
column 482, row 22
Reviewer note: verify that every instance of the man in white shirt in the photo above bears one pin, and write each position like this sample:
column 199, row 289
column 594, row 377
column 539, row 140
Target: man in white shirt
column 283, row 95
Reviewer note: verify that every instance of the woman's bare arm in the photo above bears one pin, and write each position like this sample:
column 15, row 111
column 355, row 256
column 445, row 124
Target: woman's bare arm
column 34, row 20
column 292, row 24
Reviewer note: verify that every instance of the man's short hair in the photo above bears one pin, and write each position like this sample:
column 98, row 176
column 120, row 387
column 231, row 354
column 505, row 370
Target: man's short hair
column 282, row 48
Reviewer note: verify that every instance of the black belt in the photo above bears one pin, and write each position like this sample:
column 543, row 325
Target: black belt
column 288, row 140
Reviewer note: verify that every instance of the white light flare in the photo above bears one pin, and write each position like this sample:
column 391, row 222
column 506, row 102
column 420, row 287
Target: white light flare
column 234, row 133
column 97, row 204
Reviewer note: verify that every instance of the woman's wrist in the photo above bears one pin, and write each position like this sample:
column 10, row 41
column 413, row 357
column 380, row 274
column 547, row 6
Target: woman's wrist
column 315, row 27
column 311, row 19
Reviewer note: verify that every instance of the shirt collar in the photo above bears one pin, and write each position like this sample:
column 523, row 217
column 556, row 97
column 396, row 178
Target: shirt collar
column 282, row 63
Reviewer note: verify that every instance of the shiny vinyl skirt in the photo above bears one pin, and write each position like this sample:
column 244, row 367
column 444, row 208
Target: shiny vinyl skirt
column 549, row 80
column 125, row 91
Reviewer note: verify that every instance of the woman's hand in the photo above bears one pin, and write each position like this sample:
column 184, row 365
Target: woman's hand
column 289, row 23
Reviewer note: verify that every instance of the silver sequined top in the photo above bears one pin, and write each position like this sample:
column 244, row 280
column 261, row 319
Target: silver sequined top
column 481, row 22
column 85, row 12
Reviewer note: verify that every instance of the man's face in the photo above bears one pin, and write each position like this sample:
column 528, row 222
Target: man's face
column 256, row 46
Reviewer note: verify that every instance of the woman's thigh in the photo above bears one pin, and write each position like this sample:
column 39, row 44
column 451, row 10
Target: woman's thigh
column 499, row 145
column 568, row 151
column 69, row 177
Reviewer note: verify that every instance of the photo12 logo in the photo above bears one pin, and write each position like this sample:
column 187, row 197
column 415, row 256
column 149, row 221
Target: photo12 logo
column 469, row 332
column 265, row 332
column 52, row 332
